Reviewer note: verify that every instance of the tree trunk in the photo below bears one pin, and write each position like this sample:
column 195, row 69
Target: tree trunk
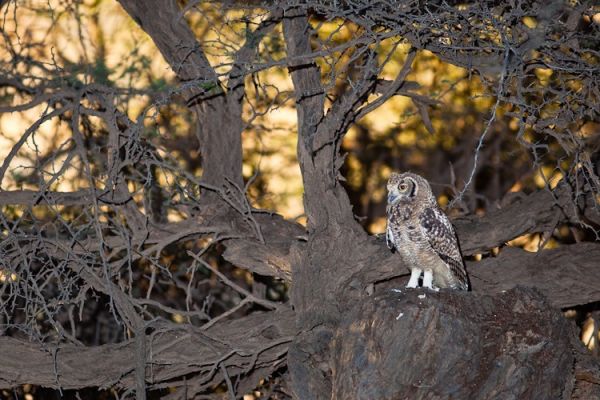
column 424, row 345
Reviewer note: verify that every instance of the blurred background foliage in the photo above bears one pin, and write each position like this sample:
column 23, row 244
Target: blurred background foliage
column 93, row 43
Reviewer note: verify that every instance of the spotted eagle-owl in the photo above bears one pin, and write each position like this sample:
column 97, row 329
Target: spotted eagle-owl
column 422, row 234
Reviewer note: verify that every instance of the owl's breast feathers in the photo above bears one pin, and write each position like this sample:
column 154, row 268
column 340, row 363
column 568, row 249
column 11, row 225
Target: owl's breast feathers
column 403, row 235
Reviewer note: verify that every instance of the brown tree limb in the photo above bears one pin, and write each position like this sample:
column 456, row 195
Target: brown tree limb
column 219, row 115
column 257, row 341
column 35, row 197
column 263, row 259
column 540, row 211
column 326, row 201
column 567, row 276
column 273, row 257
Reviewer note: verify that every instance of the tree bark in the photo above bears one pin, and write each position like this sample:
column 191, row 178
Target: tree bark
column 219, row 111
column 424, row 345
column 172, row 354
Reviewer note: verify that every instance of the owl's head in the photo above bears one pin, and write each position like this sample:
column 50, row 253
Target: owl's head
column 408, row 187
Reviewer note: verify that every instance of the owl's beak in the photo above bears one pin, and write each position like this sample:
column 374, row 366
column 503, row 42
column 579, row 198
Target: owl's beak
column 392, row 197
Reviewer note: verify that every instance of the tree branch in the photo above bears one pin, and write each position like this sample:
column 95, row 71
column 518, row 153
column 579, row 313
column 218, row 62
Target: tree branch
column 540, row 211
column 567, row 275
column 326, row 202
column 256, row 342
column 306, row 76
column 219, row 116
column 34, row 197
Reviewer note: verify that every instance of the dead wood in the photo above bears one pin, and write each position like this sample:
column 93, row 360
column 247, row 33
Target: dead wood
column 539, row 212
column 567, row 275
column 256, row 343
column 418, row 345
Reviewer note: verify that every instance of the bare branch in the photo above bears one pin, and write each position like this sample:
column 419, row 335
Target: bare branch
column 170, row 352
column 310, row 97
column 34, row 197
column 540, row 211
column 566, row 275
column 265, row 303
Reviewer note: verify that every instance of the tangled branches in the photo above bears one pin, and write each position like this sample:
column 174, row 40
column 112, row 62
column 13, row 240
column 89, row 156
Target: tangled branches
column 131, row 199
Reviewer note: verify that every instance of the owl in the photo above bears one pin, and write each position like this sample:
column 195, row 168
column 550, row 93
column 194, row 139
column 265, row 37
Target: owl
column 422, row 234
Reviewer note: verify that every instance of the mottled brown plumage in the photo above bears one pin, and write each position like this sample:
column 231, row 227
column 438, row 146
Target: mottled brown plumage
column 422, row 234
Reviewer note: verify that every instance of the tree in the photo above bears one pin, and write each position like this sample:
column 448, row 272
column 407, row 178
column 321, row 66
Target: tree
column 131, row 245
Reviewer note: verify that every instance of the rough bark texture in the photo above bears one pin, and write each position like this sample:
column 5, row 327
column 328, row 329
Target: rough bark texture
column 518, row 267
column 415, row 345
column 541, row 211
column 257, row 342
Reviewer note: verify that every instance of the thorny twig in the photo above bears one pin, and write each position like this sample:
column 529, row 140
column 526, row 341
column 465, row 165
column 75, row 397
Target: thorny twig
column 499, row 95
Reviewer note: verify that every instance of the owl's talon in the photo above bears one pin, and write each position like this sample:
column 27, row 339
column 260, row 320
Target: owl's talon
column 428, row 281
column 415, row 274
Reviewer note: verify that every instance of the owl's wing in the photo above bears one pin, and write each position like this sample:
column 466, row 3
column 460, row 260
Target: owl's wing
column 441, row 236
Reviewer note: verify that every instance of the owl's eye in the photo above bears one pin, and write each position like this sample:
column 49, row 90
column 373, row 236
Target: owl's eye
column 403, row 187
